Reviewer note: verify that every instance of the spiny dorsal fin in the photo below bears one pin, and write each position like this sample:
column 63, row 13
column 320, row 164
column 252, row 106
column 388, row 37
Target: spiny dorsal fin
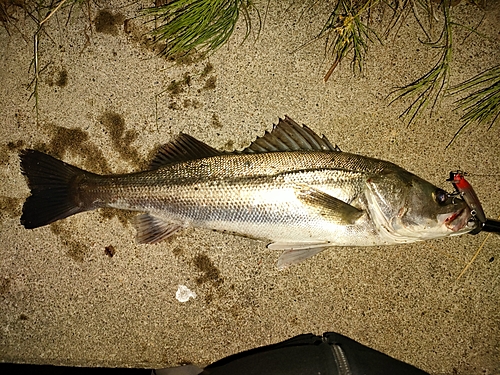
column 183, row 148
column 290, row 136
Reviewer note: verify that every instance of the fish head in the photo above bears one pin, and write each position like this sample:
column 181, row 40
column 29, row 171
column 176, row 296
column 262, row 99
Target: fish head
column 407, row 208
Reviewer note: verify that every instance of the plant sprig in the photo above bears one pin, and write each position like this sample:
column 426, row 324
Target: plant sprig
column 41, row 12
column 348, row 33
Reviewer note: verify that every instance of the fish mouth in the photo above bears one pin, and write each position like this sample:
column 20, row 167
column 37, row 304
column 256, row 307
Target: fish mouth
column 459, row 220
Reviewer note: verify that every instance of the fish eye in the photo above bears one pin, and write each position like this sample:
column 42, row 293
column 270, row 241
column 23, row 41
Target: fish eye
column 441, row 196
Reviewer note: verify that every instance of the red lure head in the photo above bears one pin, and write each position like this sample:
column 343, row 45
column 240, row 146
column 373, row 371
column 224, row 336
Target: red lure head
column 458, row 180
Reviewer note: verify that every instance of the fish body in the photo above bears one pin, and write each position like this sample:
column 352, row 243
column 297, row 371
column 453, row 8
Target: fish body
column 289, row 187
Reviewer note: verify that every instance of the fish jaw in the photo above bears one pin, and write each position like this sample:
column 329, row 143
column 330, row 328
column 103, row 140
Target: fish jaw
column 458, row 222
column 455, row 222
column 445, row 225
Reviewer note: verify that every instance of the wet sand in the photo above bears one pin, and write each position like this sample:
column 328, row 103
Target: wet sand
column 82, row 292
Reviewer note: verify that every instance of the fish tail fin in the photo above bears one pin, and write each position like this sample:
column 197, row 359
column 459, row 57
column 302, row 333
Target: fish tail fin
column 51, row 182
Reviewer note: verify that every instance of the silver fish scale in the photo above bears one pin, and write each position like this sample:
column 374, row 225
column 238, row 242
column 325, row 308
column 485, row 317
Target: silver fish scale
column 252, row 165
column 204, row 178
column 254, row 194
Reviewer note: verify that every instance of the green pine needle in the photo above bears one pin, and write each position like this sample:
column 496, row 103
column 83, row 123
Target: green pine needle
column 483, row 105
column 186, row 25
column 429, row 87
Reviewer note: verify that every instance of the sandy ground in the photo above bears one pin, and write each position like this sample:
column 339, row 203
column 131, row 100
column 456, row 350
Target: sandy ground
column 82, row 292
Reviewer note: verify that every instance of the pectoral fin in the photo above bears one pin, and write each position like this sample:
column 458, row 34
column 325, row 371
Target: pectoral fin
column 326, row 205
column 152, row 229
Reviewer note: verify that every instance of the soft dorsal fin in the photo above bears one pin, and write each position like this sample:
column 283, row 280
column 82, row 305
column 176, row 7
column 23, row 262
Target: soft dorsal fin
column 183, row 148
column 290, row 136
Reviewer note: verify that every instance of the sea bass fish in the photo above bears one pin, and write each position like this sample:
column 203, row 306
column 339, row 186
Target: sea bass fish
column 290, row 187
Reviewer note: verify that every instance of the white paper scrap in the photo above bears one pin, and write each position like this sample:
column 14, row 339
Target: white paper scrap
column 183, row 294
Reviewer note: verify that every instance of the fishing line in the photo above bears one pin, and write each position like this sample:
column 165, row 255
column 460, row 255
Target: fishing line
column 475, row 255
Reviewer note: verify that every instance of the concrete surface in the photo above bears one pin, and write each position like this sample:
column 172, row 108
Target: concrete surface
column 81, row 292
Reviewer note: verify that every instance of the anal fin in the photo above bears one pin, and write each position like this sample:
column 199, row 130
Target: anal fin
column 152, row 229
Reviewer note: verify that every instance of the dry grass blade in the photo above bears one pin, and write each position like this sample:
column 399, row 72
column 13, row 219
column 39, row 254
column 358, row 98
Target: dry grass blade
column 34, row 10
column 473, row 257
column 185, row 25
column 483, row 105
column 52, row 12
column 8, row 10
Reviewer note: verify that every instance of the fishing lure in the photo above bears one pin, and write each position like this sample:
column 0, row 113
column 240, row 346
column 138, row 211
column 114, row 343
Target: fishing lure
column 465, row 190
